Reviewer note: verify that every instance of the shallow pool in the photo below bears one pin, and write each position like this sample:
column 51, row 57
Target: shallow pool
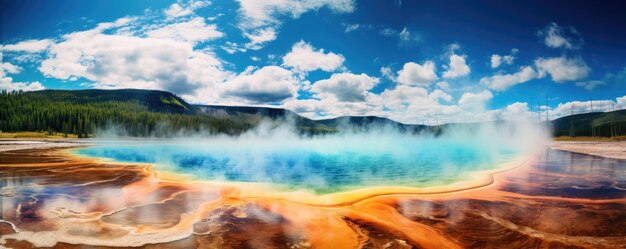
column 321, row 165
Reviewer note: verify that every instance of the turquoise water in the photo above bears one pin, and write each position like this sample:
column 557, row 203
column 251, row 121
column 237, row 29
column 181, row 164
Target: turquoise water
column 323, row 166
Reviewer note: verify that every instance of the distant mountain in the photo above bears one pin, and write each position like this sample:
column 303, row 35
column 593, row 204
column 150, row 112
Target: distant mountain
column 604, row 124
column 256, row 114
column 366, row 122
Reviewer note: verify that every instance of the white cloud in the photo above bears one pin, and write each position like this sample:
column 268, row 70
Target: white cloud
column 591, row 84
column 175, row 10
column 576, row 107
column 563, row 69
column 258, row 38
column 555, row 36
column 193, row 31
column 270, row 84
column 497, row 60
column 405, row 35
column 457, row 67
column 501, row 82
column 260, row 18
column 260, row 13
column 387, row 73
column 30, row 46
column 8, row 68
column 611, row 78
column 351, row 27
column 6, row 83
column 443, row 85
column 440, row 95
column 121, row 61
column 401, row 97
column 344, row 87
column 416, row 74
column 304, row 58
column 388, row 32
column 514, row 111
column 475, row 101
column 621, row 102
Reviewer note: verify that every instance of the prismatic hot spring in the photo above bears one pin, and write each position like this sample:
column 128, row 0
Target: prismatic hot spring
column 272, row 188
column 322, row 165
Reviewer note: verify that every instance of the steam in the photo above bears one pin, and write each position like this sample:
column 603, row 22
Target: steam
column 276, row 152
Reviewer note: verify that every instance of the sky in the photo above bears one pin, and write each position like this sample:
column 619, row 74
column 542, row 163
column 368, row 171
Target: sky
column 423, row 62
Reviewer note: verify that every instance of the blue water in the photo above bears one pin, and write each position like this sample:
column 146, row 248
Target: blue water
column 323, row 166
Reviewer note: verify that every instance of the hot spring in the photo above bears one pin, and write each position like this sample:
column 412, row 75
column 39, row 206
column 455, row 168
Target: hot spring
column 322, row 165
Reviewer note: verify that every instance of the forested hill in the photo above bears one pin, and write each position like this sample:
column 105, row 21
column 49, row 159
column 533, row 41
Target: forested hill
column 600, row 124
column 153, row 100
column 126, row 112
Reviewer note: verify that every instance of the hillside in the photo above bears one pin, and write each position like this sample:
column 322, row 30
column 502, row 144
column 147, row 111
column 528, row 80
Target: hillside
column 256, row 114
column 153, row 100
column 603, row 124
column 123, row 112
column 366, row 122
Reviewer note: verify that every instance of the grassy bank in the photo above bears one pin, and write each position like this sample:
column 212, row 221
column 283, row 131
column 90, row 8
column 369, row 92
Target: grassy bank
column 33, row 135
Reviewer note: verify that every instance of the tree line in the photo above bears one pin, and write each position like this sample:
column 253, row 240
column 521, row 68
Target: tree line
column 22, row 111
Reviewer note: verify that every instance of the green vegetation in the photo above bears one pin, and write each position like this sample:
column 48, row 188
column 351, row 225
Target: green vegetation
column 135, row 112
column 596, row 124
column 33, row 135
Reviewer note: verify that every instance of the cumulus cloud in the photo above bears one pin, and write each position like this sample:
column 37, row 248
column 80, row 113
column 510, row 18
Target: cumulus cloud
column 555, row 36
column 501, row 82
column 270, row 84
column 260, row 18
column 175, row 10
column 403, row 96
column 8, row 68
column 258, row 38
column 443, row 85
column 576, row 107
column 303, row 57
column 475, row 101
column 259, row 13
column 497, row 60
column 123, row 61
column 514, row 111
column 438, row 95
column 562, row 68
column 193, row 31
column 416, row 74
column 30, row 46
column 387, row 72
column 457, row 67
column 344, row 87
column 6, row 83
column 180, row 9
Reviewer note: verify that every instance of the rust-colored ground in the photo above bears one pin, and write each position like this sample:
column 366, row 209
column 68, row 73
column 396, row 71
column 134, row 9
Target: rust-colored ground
column 559, row 200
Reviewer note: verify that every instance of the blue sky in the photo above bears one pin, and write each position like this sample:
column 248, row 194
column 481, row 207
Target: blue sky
column 412, row 61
